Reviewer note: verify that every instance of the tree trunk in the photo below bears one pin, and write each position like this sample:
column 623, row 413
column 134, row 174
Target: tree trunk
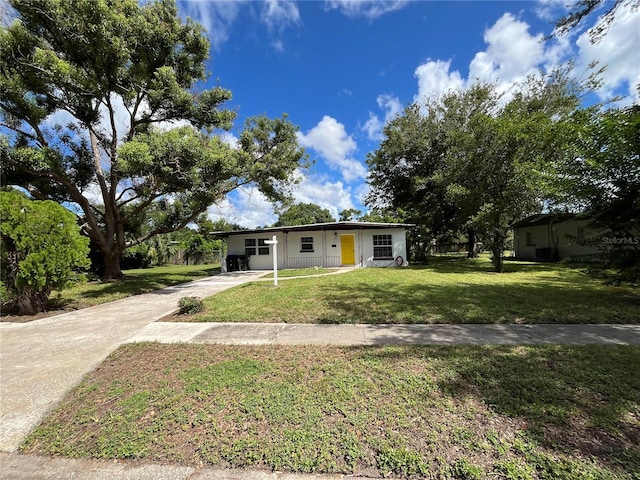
column 30, row 301
column 112, row 269
column 497, row 259
column 471, row 244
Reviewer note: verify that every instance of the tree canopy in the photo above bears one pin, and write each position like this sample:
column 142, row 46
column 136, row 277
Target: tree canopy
column 603, row 179
column 304, row 214
column 101, row 109
column 472, row 161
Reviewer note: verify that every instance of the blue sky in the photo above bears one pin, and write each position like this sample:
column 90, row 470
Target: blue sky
column 341, row 69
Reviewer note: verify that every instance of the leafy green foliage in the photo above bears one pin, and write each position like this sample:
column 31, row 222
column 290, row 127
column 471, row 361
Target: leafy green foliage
column 603, row 177
column 580, row 11
column 304, row 214
column 119, row 70
column 41, row 245
column 350, row 215
column 190, row 305
column 473, row 162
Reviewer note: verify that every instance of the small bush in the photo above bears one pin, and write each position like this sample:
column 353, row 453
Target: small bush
column 190, row 305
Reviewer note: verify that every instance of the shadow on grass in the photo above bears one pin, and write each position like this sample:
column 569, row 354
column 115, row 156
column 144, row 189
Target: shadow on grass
column 457, row 290
column 460, row 264
column 576, row 400
column 554, row 301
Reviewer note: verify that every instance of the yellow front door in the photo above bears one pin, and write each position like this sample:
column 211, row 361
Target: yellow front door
column 347, row 248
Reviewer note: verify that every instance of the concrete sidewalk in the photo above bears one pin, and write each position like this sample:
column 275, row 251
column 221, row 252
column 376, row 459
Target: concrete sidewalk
column 440, row 334
column 41, row 360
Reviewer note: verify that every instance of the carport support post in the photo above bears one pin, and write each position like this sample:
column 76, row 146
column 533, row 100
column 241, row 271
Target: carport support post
column 274, row 243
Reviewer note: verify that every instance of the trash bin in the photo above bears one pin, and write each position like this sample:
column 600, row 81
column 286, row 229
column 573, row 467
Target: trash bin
column 232, row 263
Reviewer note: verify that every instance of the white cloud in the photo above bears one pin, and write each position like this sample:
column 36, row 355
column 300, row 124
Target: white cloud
column 280, row 14
column 229, row 138
column 251, row 209
column 618, row 50
column 248, row 208
column 552, row 10
column 217, row 17
column 391, row 106
column 330, row 139
column 278, row 45
column 511, row 54
column 435, row 79
column 334, row 196
column 373, row 127
column 370, row 9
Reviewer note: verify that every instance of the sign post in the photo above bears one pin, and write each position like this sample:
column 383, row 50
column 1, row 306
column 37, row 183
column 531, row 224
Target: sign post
column 274, row 242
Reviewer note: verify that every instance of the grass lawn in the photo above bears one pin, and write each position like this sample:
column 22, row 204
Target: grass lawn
column 463, row 412
column 445, row 291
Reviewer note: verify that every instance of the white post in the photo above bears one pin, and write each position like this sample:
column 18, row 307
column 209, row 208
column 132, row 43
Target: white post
column 274, row 243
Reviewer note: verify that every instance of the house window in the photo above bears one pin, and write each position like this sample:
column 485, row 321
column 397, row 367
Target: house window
column 382, row 247
column 530, row 239
column 306, row 244
column 263, row 248
column 249, row 246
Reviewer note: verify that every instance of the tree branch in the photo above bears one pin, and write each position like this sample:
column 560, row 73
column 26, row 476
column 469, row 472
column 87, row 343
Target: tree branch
column 161, row 230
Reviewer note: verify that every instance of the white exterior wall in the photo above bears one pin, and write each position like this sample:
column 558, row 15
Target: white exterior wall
column 399, row 242
column 326, row 248
column 326, row 251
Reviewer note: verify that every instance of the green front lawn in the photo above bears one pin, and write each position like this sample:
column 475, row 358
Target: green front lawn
column 464, row 412
column 445, row 291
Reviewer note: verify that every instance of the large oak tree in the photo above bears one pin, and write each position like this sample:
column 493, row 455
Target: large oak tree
column 473, row 161
column 91, row 95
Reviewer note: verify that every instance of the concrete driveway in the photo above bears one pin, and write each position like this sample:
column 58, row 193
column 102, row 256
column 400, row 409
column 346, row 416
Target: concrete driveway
column 41, row 360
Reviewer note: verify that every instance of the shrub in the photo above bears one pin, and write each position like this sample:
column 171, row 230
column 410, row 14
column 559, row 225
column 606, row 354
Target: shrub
column 41, row 245
column 190, row 305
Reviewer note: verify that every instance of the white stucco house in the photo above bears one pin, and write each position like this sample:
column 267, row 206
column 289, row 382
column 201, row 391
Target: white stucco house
column 329, row 245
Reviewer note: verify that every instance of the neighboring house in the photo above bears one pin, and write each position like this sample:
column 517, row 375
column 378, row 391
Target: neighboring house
column 547, row 237
column 359, row 244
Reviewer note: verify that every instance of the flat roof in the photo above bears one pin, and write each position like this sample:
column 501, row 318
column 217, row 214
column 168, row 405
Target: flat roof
column 544, row 219
column 316, row 227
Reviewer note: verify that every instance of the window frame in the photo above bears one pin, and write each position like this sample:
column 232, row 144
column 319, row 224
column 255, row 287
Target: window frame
column 263, row 247
column 382, row 244
column 306, row 245
column 250, row 246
